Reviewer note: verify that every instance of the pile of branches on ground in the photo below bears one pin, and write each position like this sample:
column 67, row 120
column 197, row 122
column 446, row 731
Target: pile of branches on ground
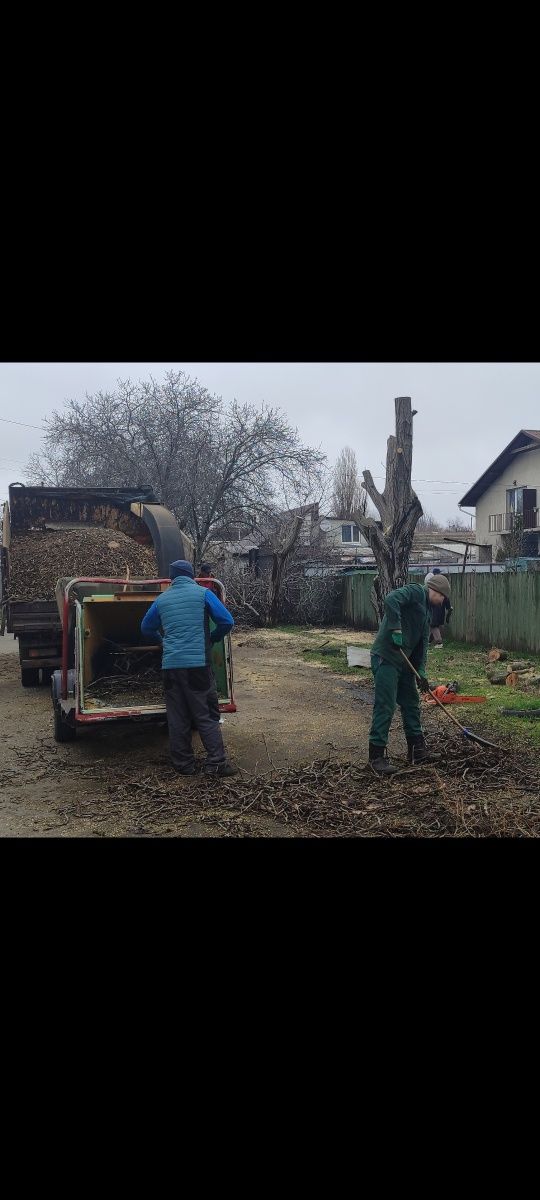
column 310, row 599
column 303, row 599
column 246, row 594
column 469, row 793
column 38, row 558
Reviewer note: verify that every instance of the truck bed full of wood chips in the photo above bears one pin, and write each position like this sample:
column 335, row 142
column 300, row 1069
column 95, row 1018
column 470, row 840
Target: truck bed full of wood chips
column 39, row 557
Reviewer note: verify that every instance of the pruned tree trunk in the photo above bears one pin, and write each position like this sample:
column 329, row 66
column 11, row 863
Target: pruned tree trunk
column 279, row 559
column 398, row 506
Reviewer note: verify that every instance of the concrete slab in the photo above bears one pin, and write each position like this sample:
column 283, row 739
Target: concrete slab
column 358, row 657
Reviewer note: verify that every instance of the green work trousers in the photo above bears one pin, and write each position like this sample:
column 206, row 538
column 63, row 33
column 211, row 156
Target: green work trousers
column 393, row 685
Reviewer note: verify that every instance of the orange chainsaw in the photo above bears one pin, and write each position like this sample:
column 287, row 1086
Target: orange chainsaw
column 468, row 733
column 448, row 695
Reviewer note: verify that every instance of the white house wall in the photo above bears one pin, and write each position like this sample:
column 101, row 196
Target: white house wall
column 525, row 470
column 332, row 531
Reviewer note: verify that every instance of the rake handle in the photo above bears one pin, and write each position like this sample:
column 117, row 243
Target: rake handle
column 432, row 694
column 473, row 736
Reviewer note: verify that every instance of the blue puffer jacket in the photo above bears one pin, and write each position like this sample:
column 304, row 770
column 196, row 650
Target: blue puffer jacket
column 183, row 613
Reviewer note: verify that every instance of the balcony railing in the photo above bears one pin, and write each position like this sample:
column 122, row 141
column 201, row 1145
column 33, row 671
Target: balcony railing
column 509, row 522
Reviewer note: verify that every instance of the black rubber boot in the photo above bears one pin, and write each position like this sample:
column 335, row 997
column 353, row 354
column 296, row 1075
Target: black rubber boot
column 379, row 761
column 418, row 752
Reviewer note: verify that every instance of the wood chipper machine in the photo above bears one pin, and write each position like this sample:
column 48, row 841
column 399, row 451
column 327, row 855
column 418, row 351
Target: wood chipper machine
column 109, row 671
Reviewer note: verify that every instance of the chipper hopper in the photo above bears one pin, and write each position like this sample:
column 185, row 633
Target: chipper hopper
column 109, row 671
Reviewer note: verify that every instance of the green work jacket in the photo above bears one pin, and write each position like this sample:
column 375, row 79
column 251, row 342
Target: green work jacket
column 407, row 608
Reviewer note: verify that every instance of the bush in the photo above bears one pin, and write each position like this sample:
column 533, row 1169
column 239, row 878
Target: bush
column 304, row 600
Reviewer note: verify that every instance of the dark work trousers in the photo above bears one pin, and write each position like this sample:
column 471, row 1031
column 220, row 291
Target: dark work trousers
column 393, row 685
column 191, row 699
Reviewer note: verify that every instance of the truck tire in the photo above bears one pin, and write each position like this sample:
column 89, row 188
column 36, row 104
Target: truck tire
column 64, row 731
column 30, row 676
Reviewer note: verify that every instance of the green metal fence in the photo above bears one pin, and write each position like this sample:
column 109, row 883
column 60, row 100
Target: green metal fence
column 492, row 610
column 357, row 607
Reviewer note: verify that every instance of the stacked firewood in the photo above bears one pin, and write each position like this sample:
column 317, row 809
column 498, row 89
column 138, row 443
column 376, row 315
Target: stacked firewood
column 38, row 558
column 500, row 669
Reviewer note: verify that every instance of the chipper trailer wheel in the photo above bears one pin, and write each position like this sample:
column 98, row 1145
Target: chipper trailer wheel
column 64, row 730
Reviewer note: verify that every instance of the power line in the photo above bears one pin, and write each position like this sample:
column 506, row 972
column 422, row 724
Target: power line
column 457, row 482
column 25, row 423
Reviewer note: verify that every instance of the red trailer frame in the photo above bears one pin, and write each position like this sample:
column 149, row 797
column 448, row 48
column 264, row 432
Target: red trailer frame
column 117, row 714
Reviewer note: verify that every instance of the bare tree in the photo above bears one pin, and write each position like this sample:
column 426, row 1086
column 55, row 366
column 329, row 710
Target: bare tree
column 214, row 466
column 458, row 524
column 513, row 542
column 279, row 559
column 134, row 436
column 309, row 590
column 348, row 495
column 427, row 523
column 241, row 464
column 398, row 506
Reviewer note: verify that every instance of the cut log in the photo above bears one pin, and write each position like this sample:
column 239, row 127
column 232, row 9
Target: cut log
column 512, row 679
column 527, row 679
column 520, row 665
column 495, row 675
column 521, row 712
column 496, row 655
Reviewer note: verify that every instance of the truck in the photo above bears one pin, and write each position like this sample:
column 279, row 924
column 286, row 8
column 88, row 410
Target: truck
column 31, row 518
column 109, row 671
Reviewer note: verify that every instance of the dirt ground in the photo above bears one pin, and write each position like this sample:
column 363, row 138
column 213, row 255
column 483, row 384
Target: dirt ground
column 289, row 712
column 300, row 740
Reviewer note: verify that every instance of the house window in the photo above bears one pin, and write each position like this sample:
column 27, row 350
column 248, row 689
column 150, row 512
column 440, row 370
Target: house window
column 514, row 500
column 350, row 533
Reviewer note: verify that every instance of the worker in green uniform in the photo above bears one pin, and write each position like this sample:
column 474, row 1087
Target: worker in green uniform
column 406, row 625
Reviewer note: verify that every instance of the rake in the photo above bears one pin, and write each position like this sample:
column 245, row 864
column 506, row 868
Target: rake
column 473, row 737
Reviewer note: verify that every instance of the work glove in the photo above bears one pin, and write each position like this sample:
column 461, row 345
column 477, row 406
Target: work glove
column 423, row 683
column 397, row 637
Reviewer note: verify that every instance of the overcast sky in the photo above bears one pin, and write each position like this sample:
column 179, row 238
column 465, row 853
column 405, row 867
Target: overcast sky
column 467, row 412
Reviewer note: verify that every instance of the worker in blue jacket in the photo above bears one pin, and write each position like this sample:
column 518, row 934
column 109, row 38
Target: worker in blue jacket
column 180, row 619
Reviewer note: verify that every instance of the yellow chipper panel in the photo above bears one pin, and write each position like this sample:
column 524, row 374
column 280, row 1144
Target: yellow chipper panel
column 118, row 668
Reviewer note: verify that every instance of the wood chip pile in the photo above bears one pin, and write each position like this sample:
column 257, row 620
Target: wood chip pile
column 39, row 558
